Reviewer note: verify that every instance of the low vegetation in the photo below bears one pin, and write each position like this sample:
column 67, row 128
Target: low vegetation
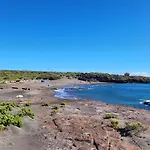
column 2, row 127
column 109, row 116
column 7, row 118
column 8, row 104
column 26, row 112
column 115, row 124
column 63, row 103
column 105, row 77
column 55, row 111
column 18, row 105
column 129, row 129
column 17, row 76
column 56, row 107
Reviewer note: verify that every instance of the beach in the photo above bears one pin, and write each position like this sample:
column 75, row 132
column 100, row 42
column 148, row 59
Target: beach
column 77, row 125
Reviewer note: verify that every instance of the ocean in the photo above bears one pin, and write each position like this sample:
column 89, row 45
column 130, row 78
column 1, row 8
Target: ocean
column 123, row 94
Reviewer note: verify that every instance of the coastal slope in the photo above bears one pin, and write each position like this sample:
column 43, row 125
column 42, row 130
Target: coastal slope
column 72, row 124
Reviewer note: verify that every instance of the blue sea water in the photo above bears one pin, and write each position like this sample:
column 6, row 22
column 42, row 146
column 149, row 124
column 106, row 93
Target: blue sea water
column 123, row 94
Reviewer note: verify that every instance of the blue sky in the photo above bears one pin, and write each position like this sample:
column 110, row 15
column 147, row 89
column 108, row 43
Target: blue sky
column 75, row 35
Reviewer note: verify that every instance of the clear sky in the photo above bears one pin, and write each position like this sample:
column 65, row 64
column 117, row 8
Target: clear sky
column 75, row 35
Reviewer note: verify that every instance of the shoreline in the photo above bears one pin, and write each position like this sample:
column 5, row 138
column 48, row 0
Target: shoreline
column 41, row 92
column 61, row 95
column 80, row 120
column 45, row 92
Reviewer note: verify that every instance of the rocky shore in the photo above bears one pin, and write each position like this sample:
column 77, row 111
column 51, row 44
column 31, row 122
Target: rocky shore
column 72, row 125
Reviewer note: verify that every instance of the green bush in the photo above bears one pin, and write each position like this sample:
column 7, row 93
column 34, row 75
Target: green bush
column 115, row 124
column 55, row 111
column 12, row 104
column 129, row 129
column 26, row 112
column 109, row 116
column 56, row 107
column 17, row 121
column 4, row 110
column 7, row 120
column 9, row 107
column 93, row 76
column 133, row 126
column 63, row 103
column 2, row 127
column 18, row 105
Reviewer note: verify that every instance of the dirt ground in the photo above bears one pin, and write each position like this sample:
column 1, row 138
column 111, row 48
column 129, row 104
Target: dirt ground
column 78, row 125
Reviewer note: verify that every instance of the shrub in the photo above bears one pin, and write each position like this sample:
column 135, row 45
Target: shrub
column 7, row 120
column 2, row 127
column 26, row 112
column 12, row 104
column 17, row 121
column 54, row 112
column 9, row 107
column 109, row 116
column 4, row 110
column 133, row 126
column 55, row 107
column 63, row 103
column 129, row 129
column 18, row 105
column 115, row 124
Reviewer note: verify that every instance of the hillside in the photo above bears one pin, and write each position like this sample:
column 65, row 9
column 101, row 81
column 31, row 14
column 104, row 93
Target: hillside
column 8, row 75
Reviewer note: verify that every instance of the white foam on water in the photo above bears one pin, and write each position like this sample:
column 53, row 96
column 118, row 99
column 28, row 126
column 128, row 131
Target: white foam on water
column 144, row 100
column 141, row 102
column 62, row 93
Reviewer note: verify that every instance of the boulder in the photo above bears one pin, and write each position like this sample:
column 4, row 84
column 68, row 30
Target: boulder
column 147, row 102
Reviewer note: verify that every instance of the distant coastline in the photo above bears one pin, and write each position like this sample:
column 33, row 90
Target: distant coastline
column 94, row 77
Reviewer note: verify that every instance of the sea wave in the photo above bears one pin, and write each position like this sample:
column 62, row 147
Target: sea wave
column 65, row 92
column 143, row 100
column 119, row 94
column 62, row 93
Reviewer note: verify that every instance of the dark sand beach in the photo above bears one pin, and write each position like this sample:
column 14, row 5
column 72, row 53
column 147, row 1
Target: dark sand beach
column 78, row 125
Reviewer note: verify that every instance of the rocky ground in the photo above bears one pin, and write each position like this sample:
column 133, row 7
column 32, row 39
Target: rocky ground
column 77, row 125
